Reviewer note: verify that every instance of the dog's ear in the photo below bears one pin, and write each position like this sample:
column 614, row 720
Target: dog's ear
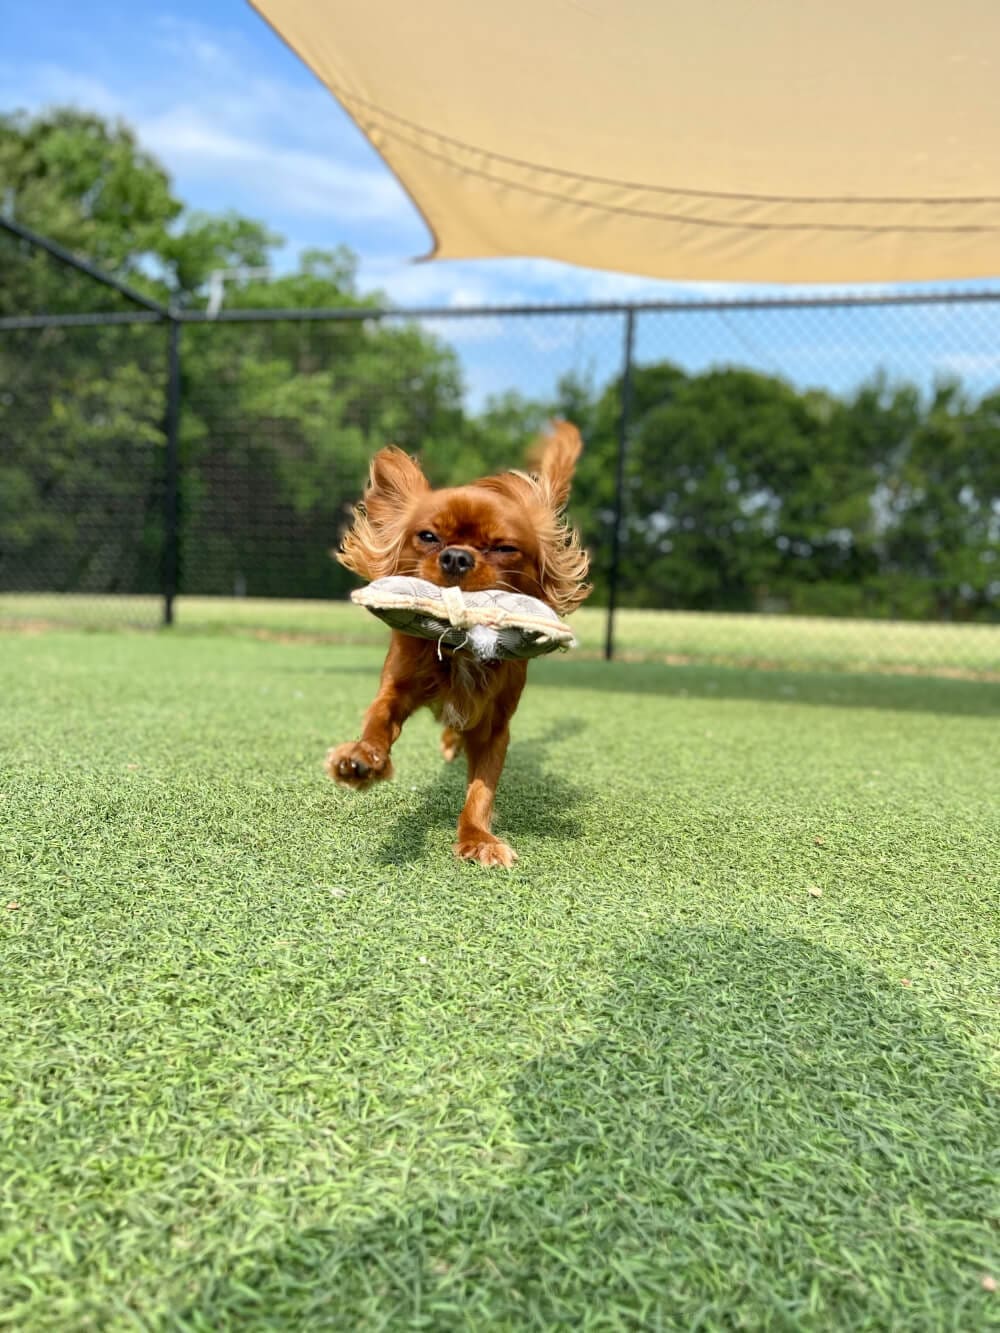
column 372, row 545
column 393, row 480
column 553, row 459
column 563, row 561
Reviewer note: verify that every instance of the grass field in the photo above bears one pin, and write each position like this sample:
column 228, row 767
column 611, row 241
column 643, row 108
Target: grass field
column 676, row 636
column 718, row 1053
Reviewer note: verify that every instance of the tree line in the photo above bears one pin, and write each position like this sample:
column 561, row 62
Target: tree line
column 741, row 491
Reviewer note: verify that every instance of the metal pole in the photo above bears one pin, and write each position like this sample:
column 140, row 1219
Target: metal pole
column 171, row 508
column 97, row 319
column 81, row 265
column 616, row 530
column 362, row 313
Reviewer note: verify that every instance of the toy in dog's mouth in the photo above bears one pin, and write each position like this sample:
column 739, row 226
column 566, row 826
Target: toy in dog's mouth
column 489, row 624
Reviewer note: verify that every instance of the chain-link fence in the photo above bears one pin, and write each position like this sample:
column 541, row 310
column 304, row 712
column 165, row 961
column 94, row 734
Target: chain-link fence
column 83, row 370
column 811, row 481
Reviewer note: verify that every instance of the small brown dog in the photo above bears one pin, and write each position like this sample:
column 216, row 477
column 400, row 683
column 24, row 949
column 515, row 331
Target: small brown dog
column 506, row 532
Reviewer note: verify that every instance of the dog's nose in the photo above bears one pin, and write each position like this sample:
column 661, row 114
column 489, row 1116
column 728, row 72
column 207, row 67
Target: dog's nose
column 455, row 561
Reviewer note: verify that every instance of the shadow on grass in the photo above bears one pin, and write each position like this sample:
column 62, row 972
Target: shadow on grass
column 824, row 688
column 827, row 689
column 533, row 798
column 761, row 1135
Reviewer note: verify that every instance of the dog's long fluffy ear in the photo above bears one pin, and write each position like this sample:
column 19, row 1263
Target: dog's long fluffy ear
column 553, row 459
column 372, row 545
column 563, row 560
column 394, row 479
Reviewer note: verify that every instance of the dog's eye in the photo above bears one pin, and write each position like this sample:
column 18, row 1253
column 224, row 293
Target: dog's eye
column 426, row 536
column 505, row 550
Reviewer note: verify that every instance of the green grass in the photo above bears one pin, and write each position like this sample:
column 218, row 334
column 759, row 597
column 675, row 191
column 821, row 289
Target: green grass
column 273, row 1060
column 675, row 636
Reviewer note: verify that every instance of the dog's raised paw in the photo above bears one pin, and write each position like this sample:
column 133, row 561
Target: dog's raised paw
column 487, row 850
column 358, row 764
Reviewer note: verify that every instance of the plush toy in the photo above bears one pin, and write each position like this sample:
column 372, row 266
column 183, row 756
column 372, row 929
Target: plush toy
column 490, row 624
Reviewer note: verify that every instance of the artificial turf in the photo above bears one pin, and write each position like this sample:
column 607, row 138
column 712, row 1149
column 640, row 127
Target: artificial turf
column 718, row 1053
column 811, row 643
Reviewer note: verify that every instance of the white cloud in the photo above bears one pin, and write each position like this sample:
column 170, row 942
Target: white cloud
column 193, row 44
column 48, row 84
column 307, row 183
column 969, row 363
column 468, row 282
column 202, row 103
column 222, row 80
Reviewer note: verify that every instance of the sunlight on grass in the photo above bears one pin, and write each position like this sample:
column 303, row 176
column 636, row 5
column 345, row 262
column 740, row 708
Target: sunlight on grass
column 739, row 640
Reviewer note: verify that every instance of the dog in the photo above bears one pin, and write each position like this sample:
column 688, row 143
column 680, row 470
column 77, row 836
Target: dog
column 506, row 531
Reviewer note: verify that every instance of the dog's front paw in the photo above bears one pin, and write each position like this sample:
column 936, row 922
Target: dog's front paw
column 358, row 764
column 485, row 849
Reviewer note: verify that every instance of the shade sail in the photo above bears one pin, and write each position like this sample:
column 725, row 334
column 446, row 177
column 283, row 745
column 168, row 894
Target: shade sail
column 737, row 140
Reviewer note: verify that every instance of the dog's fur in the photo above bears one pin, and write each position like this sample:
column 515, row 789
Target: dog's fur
column 512, row 530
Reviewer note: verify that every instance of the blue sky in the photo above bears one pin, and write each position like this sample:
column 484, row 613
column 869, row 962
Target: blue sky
column 240, row 123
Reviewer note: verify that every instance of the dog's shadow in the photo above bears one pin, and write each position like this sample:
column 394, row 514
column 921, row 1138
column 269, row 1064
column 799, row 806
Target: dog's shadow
column 533, row 798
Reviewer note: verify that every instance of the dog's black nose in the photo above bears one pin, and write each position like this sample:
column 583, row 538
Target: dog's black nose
column 456, row 561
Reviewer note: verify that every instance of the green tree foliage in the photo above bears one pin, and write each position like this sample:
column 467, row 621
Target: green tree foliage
column 741, row 492
column 279, row 419
column 86, row 184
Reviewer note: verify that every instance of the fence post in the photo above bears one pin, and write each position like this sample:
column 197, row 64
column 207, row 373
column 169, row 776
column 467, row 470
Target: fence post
column 616, row 530
column 171, row 507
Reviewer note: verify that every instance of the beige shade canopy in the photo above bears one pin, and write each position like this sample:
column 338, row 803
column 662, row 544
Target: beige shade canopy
column 736, row 140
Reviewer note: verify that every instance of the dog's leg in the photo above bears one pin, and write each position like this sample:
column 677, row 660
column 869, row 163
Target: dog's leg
column 451, row 744
column 486, row 750
column 360, row 763
column 409, row 677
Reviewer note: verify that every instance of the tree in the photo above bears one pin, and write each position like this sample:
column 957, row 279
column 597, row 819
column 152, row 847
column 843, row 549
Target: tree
column 742, row 493
column 278, row 419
